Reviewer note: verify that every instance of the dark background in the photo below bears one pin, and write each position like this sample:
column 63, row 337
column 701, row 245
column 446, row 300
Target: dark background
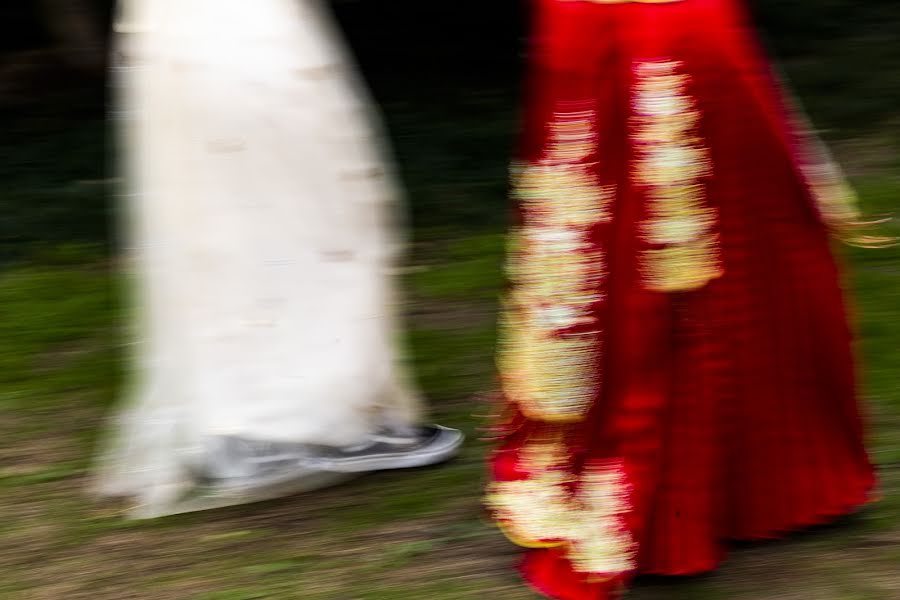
column 445, row 73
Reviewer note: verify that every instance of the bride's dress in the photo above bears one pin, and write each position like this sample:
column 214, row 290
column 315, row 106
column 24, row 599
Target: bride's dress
column 261, row 215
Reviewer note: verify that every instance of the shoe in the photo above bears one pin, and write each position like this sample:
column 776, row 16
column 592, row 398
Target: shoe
column 237, row 462
column 385, row 450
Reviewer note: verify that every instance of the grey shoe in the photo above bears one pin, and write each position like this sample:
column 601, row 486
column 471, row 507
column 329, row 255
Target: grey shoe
column 237, row 471
column 416, row 447
column 239, row 462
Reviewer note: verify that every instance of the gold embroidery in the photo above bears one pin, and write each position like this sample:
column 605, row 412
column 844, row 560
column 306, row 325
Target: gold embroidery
column 624, row 1
column 671, row 164
column 550, row 344
column 555, row 267
column 549, row 508
column 551, row 376
column 531, row 510
column 838, row 204
column 559, row 195
column 836, row 201
column 602, row 543
column 550, row 355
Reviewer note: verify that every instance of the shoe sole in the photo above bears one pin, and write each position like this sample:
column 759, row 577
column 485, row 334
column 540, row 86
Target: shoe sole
column 388, row 462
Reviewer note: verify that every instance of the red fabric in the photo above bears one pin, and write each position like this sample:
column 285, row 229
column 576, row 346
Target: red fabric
column 734, row 406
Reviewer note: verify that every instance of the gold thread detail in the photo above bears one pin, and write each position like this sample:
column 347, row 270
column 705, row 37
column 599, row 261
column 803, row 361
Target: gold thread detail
column 548, row 508
column 671, row 165
column 550, row 341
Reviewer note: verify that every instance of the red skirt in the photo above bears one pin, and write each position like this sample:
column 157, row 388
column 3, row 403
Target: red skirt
column 675, row 358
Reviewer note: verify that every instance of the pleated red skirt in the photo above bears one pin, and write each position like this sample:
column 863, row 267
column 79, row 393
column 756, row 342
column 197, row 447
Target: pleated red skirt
column 676, row 358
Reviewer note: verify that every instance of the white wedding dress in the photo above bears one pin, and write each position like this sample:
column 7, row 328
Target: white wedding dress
column 262, row 215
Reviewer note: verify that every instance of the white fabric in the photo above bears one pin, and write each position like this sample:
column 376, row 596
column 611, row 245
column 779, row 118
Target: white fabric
column 262, row 218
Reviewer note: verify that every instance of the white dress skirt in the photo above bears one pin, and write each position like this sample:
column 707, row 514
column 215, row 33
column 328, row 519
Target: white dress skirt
column 262, row 219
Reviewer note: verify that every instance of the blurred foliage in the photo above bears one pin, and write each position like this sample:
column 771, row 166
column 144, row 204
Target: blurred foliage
column 800, row 26
column 53, row 170
column 468, row 27
column 22, row 26
column 446, row 74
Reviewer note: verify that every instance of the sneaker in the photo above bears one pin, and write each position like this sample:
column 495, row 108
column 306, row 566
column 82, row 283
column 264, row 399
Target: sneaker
column 240, row 462
column 416, row 447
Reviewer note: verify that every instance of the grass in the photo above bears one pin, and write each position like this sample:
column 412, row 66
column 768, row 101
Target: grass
column 384, row 537
column 392, row 536
column 387, row 536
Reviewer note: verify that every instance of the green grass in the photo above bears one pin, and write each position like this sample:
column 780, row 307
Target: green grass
column 388, row 536
column 391, row 536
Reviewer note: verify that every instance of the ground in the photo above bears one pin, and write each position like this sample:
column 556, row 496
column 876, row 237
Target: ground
column 391, row 536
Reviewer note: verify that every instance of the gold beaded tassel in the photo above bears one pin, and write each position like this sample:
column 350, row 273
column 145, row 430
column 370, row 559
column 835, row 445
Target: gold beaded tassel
column 671, row 164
